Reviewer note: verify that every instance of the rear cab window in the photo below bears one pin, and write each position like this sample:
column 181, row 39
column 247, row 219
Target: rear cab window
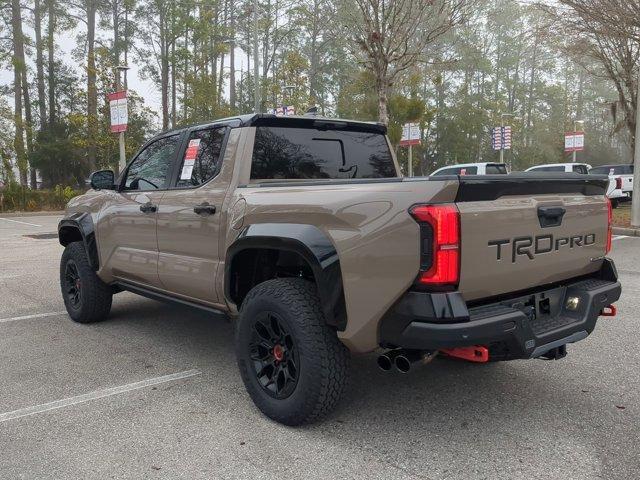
column 496, row 169
column 282, row 152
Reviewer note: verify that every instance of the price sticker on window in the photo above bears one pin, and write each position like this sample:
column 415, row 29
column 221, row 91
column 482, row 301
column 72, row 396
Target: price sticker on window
column 190, row 159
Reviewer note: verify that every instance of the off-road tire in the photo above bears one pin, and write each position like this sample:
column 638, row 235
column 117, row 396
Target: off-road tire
column 94, row 297
column 323, row 359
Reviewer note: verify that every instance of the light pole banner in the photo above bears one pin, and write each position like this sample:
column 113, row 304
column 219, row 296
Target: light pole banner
column 501, row 138
column 574, row 141
column 119, row 112
column 506, row 138
column 410, row 134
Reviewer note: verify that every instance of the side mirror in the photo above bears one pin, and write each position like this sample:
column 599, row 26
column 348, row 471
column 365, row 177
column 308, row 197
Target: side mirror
column 102, row 180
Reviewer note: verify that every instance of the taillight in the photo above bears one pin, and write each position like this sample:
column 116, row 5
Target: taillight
column 618, row 183
column 441, row 241
column 609, row 225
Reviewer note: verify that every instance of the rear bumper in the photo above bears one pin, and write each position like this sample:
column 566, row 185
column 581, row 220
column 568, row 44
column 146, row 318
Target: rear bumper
column 524, row 326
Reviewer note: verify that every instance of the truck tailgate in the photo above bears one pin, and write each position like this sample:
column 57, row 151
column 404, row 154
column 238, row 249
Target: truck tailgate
column 520, row 241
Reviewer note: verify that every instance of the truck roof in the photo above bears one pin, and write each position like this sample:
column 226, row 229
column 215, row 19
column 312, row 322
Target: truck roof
column 563, row 164
column 264, row 119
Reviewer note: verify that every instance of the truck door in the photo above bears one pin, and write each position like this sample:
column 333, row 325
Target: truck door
column 189, row 217
column 127, row 231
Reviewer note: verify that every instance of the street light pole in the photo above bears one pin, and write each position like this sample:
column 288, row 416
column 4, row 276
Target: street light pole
column 123, row 158
column 256, row 59
column 635, row 199
column 575, row 129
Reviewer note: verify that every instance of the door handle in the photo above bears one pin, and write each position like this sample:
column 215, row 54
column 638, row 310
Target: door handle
column 204, row 209
column 550, row 216
column 148, row 208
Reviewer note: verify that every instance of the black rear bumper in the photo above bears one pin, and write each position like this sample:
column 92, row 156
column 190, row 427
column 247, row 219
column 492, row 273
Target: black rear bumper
column 526, row 325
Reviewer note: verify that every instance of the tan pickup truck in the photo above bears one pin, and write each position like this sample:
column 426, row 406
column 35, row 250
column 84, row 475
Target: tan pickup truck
column 303, row 230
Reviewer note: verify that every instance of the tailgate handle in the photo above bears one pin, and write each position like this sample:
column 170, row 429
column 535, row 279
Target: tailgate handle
column 550, row 216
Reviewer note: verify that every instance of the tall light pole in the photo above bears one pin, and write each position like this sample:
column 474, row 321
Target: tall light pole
column 256, row 60
column 575, row 129
column 635, row 199
column 123, row 158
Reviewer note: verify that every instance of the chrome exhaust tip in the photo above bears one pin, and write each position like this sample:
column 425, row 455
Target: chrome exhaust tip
column 403, row 364
column 385, row 361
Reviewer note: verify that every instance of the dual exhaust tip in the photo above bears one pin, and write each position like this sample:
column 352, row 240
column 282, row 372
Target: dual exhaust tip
column 403, row 359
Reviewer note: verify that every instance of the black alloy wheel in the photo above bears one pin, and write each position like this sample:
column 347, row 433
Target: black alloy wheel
column 274, row 355
column 73, row 284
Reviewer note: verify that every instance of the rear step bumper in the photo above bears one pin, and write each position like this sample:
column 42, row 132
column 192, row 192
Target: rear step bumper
column 524, row 326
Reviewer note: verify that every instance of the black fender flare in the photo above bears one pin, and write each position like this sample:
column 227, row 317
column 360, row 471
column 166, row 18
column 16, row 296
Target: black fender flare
column 79, row 227
column 313, row 245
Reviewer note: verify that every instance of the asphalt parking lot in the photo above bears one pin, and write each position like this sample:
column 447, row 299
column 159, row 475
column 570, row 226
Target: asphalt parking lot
column 154, row 392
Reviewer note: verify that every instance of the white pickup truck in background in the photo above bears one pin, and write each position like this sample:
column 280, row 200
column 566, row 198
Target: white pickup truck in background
column 615, row 190
column 479, row 168
column 623, row 175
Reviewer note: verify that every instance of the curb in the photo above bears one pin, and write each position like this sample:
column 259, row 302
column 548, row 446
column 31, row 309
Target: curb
column 631, row 232
column 32, row 214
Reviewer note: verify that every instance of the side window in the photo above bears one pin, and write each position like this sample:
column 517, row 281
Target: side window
column 201, row 161
column 580, row 169
column 150, row 168
column 448, row 171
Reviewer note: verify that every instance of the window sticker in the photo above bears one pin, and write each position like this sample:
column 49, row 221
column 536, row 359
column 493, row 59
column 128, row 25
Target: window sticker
column 190, row 159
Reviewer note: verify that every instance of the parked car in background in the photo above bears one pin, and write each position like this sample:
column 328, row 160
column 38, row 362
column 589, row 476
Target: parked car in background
column 561, row 167
column 482, row 168
column 614, row 189
column 622, row 173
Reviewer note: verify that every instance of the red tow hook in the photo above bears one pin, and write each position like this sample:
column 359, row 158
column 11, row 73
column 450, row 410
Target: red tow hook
column 477, row 353
column 609, row 311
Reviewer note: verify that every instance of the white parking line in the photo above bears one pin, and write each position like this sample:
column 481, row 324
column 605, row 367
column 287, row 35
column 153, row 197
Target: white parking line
column 27, row 317
column 23, row 223
column 87, row 397
column 618, row 237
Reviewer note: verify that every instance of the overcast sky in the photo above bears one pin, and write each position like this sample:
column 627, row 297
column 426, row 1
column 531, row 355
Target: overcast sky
column 66, row 42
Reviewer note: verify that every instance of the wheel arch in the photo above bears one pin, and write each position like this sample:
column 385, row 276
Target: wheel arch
column 279, row 246
column 79, row 227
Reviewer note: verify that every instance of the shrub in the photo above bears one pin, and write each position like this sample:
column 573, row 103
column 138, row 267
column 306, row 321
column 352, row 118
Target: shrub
column 14, row 197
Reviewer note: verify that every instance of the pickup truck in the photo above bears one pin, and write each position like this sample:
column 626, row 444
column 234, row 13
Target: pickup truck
column 615, row 191
column 303, row 232
column 622, row 174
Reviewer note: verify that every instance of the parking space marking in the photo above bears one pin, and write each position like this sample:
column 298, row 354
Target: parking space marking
column 28, row 317
column 23, row 223
column 618, row 237
column 95, row 395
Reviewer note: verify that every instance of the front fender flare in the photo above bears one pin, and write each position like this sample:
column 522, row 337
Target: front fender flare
column 79, row 227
